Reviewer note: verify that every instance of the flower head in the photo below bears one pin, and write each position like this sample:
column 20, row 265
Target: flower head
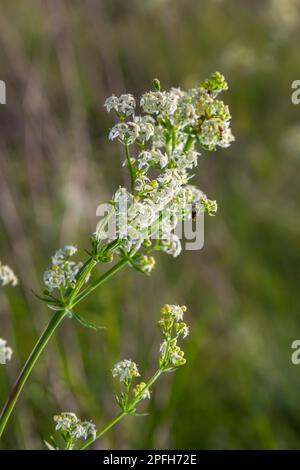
column 63, row 271
column 142, row 389
column 172, row 328
column 167, row 134
column 125, row 370
column 147, row 263
column 174, row 311
column 159, row 102
column 7, row 276
column 123, row 105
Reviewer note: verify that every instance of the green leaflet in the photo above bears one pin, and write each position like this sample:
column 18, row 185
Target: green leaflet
column 84, row 322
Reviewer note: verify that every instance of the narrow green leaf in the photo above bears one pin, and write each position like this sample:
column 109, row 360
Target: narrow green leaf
column 86, row 323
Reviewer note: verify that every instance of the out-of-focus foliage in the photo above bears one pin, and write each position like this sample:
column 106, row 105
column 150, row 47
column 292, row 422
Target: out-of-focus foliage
column 60, row 60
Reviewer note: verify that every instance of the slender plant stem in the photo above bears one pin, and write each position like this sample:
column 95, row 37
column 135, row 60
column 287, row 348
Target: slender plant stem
column 130, row 168
column 46, row 335
column 35, row 354
column 129, row 409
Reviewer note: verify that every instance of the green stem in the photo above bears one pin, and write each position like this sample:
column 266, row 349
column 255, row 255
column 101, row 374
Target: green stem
column 130, row 168
column 46, row 335
column 99, row 281
column 130, row 407
column 35, row 354
column 188, row 144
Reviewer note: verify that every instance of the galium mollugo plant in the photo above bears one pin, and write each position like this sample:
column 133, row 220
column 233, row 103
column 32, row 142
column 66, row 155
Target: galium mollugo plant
column 162, row 134
column 134, row 390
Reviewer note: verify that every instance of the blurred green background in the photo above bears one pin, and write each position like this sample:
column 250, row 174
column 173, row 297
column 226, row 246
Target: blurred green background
column 60, row 59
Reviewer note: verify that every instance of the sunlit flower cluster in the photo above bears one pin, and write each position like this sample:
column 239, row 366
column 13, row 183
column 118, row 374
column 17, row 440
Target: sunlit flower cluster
column 7, row 276
column 5, row 351
column 72, row 428
column 63, row 271
column 166, row 133
column 123, row 105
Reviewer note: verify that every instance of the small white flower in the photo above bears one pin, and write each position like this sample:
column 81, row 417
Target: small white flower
column 159, row 102
column 111, row 102
column 142, row 215
column 141, row 387
column 171, row 354
column 74, row 428
column 63, row 271
column 226, row 136
column 216, row 132
column 176, row 356
column 175, row 311
column 182, row 329
column 124, row 105
column 5, row 351
column 7, row 276
column 185, row 160
column 63, row 254
column 153, row 157
column 126, row 370
column 208, row 206
column 147, row 263
column 127, row 133
column 54, row 279
column 173, row 246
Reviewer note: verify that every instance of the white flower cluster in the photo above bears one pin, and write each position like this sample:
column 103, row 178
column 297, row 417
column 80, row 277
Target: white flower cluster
column 125, row 370
column 142, row 388
column 63, row 271
column 7, row 276
column 173, row 124
column 73, row 428
column 172, row 327
column 123, row 105
column 170, row 357
column 5, row 351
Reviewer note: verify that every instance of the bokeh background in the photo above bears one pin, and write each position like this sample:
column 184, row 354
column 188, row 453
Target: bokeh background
column 60, row 59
